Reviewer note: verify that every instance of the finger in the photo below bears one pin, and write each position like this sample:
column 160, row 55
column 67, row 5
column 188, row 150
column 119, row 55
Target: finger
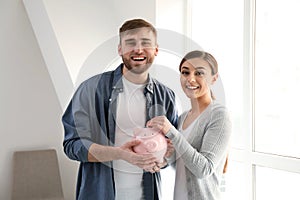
column 149, row 168
column 146, row 166
column 132, row 143
column 160, row 165
column 156, row 168
column 148, row 124
column 153, row 169
column 169, row 141
column 146, row 159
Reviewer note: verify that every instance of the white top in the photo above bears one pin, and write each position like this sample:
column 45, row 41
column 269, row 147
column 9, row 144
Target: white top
column 130, row 114
column 180, row 190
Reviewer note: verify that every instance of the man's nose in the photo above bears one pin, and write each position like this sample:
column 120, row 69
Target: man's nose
column 138, row 48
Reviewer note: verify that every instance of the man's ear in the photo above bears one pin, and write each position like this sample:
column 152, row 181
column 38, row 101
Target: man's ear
column 119, row 50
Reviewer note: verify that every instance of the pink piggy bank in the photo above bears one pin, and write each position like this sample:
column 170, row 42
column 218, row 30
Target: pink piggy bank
column 152, row 141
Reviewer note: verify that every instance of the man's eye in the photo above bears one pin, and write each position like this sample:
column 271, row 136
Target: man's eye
column 146, row 44
column 130, row 43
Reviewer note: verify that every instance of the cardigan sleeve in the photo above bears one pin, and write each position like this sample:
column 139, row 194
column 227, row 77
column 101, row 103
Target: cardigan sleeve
column 202, row 158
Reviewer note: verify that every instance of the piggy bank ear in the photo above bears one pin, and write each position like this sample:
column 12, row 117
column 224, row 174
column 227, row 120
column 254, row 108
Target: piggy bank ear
column 137, row 131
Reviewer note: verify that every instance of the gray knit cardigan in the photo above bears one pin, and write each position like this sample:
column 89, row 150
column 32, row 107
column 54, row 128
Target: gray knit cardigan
column 204, row 151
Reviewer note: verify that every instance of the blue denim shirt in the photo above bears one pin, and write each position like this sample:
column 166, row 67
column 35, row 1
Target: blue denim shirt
column 90, row 118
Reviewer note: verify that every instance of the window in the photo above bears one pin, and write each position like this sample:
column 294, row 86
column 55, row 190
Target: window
column 277, row 77
column 281, row 184
column 218, row 29
column 256, row 44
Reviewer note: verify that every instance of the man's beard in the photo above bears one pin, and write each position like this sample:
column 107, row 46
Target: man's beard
column 137, row 69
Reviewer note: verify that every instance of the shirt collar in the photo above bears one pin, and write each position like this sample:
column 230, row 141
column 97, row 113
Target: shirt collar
column 117, row 83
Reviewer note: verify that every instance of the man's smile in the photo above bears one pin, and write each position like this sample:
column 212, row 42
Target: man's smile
column 138, row 58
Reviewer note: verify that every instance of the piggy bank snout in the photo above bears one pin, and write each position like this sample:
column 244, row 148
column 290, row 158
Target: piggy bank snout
column 151, row 145
column 152, row 141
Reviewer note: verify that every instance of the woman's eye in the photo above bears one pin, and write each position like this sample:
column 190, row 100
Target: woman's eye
column 199, row 73
column 185, row 72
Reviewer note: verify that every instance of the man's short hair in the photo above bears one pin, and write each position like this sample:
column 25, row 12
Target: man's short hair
column 134, row 25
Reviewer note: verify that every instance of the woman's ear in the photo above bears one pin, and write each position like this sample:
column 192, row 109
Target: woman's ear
column 156, row 50
column 215, row 77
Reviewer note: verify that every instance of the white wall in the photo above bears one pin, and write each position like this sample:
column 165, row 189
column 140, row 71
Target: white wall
column 44, row 46
column 29, row 110
column 82, row 26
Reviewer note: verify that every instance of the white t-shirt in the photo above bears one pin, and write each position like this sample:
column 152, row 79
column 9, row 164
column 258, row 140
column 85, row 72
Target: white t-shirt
column 131, row 110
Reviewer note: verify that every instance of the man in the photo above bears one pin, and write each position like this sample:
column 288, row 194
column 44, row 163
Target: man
column 103, row 113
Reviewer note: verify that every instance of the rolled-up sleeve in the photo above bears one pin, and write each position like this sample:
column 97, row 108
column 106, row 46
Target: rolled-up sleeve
column 77, row 125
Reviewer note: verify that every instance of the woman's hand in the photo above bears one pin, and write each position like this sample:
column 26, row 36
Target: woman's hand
column 161, row 123
column 170, row 149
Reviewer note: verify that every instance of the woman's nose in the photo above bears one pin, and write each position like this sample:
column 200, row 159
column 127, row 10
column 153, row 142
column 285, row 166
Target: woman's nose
column 191, row 78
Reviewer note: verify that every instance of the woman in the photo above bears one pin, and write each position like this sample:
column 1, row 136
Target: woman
column 202, row 139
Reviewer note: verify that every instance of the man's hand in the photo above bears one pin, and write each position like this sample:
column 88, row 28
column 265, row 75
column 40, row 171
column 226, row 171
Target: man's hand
column 159, row 165
column 144, row 161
